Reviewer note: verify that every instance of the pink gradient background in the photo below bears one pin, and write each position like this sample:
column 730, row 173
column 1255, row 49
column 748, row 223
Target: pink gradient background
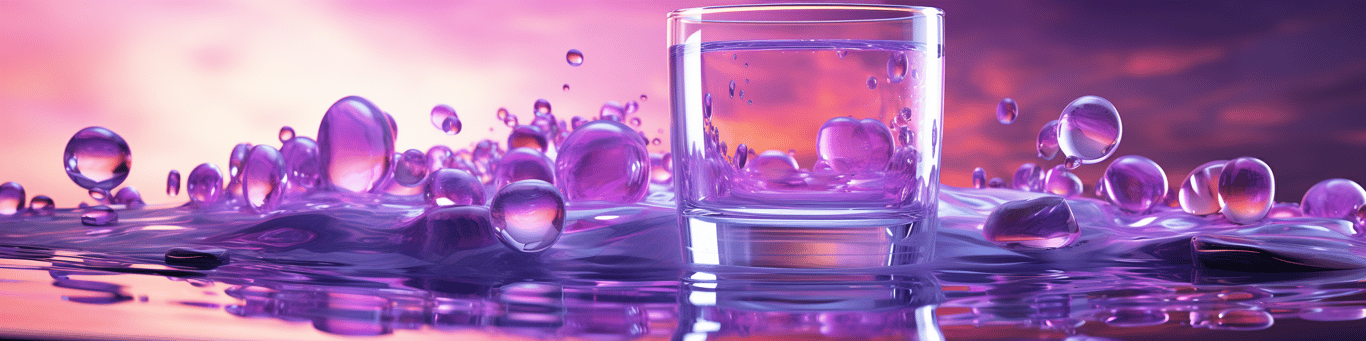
column 184, row 81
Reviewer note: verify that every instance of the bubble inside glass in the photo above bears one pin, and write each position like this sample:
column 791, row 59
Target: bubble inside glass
column 839, row 107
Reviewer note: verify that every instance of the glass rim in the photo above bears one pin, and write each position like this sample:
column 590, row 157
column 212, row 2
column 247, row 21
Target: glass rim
column 907, row 12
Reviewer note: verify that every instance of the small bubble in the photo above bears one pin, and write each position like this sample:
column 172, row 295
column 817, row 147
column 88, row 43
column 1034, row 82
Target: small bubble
column 42, row 205
column 979, row 178
column 746, row 65
column 1136, row 184
column 732, row 89
column 1006, row 111
column 852, row 146
column 1043, row 223
column 1027, row 178
column 286, row 133
column 204, row 185
column 656, row 141
column 528, row 137
column 99, row 216
column 734, row 56
column 841, row 53
column 411, row 168
column 502, row 114
column 510, row 121
column 612, row 111
column 872, row 82
column 577, row 121
column 772, row 166
column 263, row 178
column 896, row 67
column 1199, row 194
column 12, row 198
column 129, row 197
column 741, row 154
column 604, row 161
column 1062, row 182
column 301, row 161
column 540, row 107
column 96, row 157
column 1072, row 162
column 574, row 57
column 565, row 87
column 742, row 94
column 644, row 98
column 445, row 119
column 751, row 102
column 99, row 194
column 635, row 122
column 1247, row 190
column 996, row 183
column 632, row 107
column 661, row 171
column 528, row 215
column 1333, row 198
column 1048, row 140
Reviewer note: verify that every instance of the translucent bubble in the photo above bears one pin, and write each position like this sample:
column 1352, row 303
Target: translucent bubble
column 1042, row 223
column 632, row 107
column 99, row 216
column 656, row 141
column 574, row 57
column 1006, row 111
column 996, row 183
column 661, row 169
column 96, row 157
column 354, row 146
column 1048, row 140
column 12, row 198
column 204, row 185
column 1027, row 178
column 577, row 121
column 772, row 166
column 540, row 107
column 1199, row 194
column 173, row 183
column 1358, row 217
column 872, row 82
column 1135, row 183
column 438, row 156
column 1247, row 189
column 1089, row 129
column 1062, row 182
column 286, row 133
column 239, row 153
column 129, row 197
column 301, row 162
column 100, row 195
column 644, row 98
column 1242, row 319
column 706, row 106
column 42, row 205
column 1071, row 162
column 511, row 121
column 528, row 215
column 549, row 126
column 612, row 111
column 444, row 118
column 523, row 164
column 741, row 155
column 503, row 113
column 603, row 160
column 565, row 87
column 732, row 89
column 411, row 168
column 979, row 178
column 1333, row 198
column 263, row 178
column 896, row 67
column 841, row 53
column 528, row 137
column 851, row 146
column 449, row 187
column 635, row 122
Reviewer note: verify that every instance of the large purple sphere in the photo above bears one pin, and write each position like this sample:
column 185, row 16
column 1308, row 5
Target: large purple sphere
column 301, row 162
column 97, row 158
column 1333, row 198
column 603, row 160
column 355, row 143
column 523, row 163
column 448, row 186
column 1047, row 144
column 12, row 198
column 1135, row 183
column 1199, row 194
column 1042, row 223
column 853, row 146
column 1247, row 189
column 263, row 178
column 1089, row 129
column 528, row 215
column 204, row 185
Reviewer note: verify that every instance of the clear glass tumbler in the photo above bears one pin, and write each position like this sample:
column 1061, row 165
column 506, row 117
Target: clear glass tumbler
column 807, row 135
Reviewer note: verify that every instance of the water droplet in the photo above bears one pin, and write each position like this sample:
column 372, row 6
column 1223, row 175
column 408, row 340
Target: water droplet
column 12, row 198
column 1027, row 178
column 632, row 107
column 96, row 157
column 286, row 133
column 1247, row 189
column 1135, row 183
column 528, row 215
column 979, row 178
column 1071, row 162
column 1283, row 210
column 851, row 146
column 528, row 137
column 746, row 65
column 896, row 67
column 656, row 141
column 644, row 98
column 523, row 164
column 661, row 168
column 99, row 216
column 411, row 168
column 173, row 183
column 732, row 89
column 438, row 157
column 204, row 185
column 354, row 146
column 198, row 257
column 1089, row 129
column 565, row 87
column 1042, row 223
column 872, row 82
column 1358, row 217
column 540, row 107
column 603, row 160
column 547, row 125
column 1199, row 194
column 706, row 106
column 1136, row 317
column 445, row 119
column 574, row 57
column 301, row 163
column 503, row 113
column 635, row 122
column 1006, row 111
column 1062, row 182
column 511, row 121
column 772, row 166
column 996, row 183
column 1048, row 140
column 263, row 178
column 1333, row 198
column 612, row 111
column 454, row 187
column 750, row 102
column 129, row 197
column 741, row 154
column 841, row 53
column 577, row 121
column 42, row 205
column 99, row 194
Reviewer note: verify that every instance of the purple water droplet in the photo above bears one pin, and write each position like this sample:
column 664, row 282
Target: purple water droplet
column 564, row 87
column 42, row 205
column 445, row 119
column 1199, row 194
column 996, row 183
column 503, row 113
column 301, row 161
column 263, row 178
column 1062, row 182
column 411, row 168
column 772, row 166
column 100, row 195
column 1027, row 178
column 577, row 121
column 1333, row 198
column 454, row 187
column 741, row 155
column 438, row 157
column 286, row 133
column 635, row 122
column 732, row 89
column 644, row 98
column 661, row 168
column 1042, row 223
column 129, row 197
column 841, row 53
column 706, row 107
column 872, row 82
column 1006, row 111
column 239, row 153
column 528, row 137
column 1089, row 129
column 173, row 183
column 1282, row 210
column 1048, row 140
column 1135, row 183
column 1247, row 189
column 204, row 185
column 656, row 141
column 1358, row 215
column 355, row 145
column 96, row 157
column 1071, row 162
column 612, row 111
column 549, row 126
column 12, row 198
column 528, row 215
column 603, row 160
column 979, row 178
column 574, row 57
column 896, row 67
column 99, row 216
column 540, row 107
column 511, row 121
column 851, row 146
column 632, row 107
column 523, row 164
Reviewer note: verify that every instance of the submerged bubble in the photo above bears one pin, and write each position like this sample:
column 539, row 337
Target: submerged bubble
column 12, row 198
column 1042, row 223
column 1089, row 129
column 565, row 87
column 1062, row 182
column 1071, row 162
column 872, row 82
column 502, row 114
column 523, row 164
column 173, row 183
column 204, row 185
column 99, row 194
column 732, row 89
column 896, row 67
column 1006, row 111
column 644, row 98
column 603, row 160
column 99, row 216
column 741, row 155
column 96, row 157
column 706, row 107
column 1135, row 183
column 528, row 137
column 540, row 107
column 444, row 118
column 129, row 197
column 1333, row 198
column 301, row 161
column 1246, row 189
column 635, row 122
column 979, row 178
column 263, row 178
column 612, row 111
column 574, row 57
column 42, row 205
column 772, row 166
column 661, row 168
column 1048, row 140
column 511, row 121
column 1028, row 178
column 1199, row 194
column 286, row 133
column 528, row 215
column 454, row 187
column 411, row 168
column 851, row 146
column 355, row 144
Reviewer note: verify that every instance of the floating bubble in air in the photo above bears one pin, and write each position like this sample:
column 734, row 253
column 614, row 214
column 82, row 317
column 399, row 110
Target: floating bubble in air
column 896, row 67
column 355, row 144
column 632, row 107
column 173, row 183
column 528, row 137
column 1042, row 223
column 96, row 157
column 979, row 178
column 129, row 197
column 1134, row 183
column 1199, row 194
column 1062, row 182
column 1246, row 189
column 1029, row 177
column 523, row 164
column 1006, row 111
column 872, row 82
column 445, row 119
column 1333, row 198
column 42, row 205
column 574, row 57
column 852, row 146
column 454, row 187
column 411, row 168
column 99, row 216
column 1047, row 144
column 528, row 215
column 12, row 198
column 204, row 185
column 301, row 163
column 1089, row 129
column 603, row 160
column 263, row 178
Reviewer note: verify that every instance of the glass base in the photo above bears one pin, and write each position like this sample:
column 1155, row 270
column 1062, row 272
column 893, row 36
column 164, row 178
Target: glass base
column 712, row 241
